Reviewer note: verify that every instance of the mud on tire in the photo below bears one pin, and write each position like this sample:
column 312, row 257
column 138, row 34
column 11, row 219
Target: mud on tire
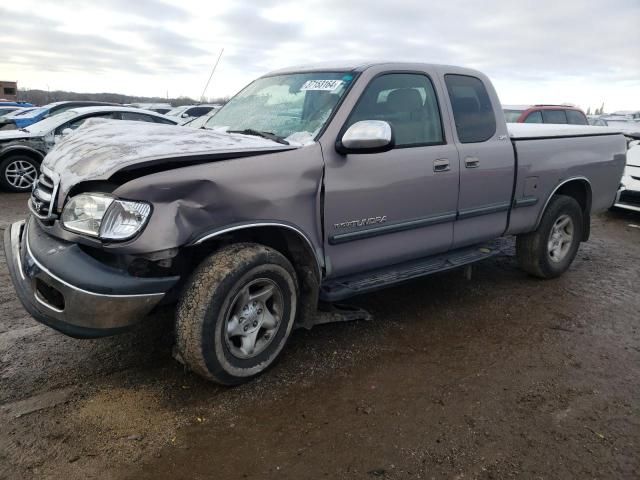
column 535, row 249
column 234, row 296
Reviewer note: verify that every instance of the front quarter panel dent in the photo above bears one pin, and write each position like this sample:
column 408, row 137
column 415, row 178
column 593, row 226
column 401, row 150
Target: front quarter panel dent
column 191, row 201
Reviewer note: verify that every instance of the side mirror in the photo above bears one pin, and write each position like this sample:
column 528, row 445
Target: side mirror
column 184, row 115
column 634, row 143
column 66, row 131
column 366, row 136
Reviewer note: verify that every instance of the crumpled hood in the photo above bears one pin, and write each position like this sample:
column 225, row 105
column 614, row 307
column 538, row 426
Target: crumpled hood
column 99, row 148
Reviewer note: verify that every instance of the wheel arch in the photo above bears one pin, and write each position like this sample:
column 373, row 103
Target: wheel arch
column 287, row 239
column 22, row 150
column 578, row 188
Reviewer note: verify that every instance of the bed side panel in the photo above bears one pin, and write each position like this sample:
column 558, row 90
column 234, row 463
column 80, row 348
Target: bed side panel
column 543, row 164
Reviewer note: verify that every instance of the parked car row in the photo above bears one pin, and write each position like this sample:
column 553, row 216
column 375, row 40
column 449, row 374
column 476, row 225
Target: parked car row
column 36, row 114
column 22, row 150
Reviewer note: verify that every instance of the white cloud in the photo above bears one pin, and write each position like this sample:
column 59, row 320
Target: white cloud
column 579, row 51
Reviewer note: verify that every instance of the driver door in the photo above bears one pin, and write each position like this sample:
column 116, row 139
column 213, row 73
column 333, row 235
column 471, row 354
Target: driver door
column 389, row 207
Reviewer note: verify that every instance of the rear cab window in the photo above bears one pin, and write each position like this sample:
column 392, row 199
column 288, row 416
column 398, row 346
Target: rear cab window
column 472, row 110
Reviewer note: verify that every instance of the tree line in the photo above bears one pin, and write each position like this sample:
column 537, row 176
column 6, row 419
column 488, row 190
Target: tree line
column 42, row 97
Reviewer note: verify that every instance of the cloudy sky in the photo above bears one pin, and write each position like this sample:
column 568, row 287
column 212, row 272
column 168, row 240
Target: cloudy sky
column 539, row 51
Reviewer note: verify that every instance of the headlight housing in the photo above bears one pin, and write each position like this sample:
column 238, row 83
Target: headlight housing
column 104, row 216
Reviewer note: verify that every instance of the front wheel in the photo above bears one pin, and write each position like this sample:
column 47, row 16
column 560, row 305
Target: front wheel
column 18, row 173
column 236, row 313
column 549, row 251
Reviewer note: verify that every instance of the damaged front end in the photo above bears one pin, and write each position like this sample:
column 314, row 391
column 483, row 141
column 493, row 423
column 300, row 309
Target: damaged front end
column 63, row 287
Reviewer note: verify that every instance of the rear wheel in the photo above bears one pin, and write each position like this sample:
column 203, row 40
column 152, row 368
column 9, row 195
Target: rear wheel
column 549, row 251
column 236, row 313
column 18, row 173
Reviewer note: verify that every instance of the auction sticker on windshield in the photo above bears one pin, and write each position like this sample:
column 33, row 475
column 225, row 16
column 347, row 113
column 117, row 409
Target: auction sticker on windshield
column 324, row 85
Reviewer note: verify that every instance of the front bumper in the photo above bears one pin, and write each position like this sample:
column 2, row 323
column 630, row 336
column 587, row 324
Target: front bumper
column 65, row 288
column 628, row 196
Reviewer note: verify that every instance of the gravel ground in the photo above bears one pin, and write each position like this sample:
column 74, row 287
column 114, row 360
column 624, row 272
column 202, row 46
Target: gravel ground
column 503, row 376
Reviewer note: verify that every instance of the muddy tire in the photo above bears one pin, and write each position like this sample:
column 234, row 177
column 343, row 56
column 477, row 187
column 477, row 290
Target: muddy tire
column 236, row 313
column 549, row 251
column 18, row 173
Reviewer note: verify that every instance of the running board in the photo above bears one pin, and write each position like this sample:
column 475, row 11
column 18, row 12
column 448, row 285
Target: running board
column 340, row 288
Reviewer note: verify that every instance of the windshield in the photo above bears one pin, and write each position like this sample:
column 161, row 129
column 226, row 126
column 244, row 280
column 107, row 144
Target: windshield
column 285, row 105
column 36, row 111
column 512, row 116
column 17, row 113
column 44, row 126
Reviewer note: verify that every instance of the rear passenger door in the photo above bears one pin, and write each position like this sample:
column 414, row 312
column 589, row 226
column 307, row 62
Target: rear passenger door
column 388, row 207
column 487, row 162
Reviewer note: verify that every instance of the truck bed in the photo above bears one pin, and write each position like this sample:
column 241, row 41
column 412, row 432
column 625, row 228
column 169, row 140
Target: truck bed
column 548, row 156
column 526, row 131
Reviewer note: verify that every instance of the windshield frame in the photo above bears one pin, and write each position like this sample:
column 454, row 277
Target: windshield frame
column 353, row 72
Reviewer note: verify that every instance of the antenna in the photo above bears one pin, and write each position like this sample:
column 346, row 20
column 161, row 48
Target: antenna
column 210, row 76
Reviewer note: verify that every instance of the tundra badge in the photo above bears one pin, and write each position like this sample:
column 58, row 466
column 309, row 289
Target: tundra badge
column 361, row 223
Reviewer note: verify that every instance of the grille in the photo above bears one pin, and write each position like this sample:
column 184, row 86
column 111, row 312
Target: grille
column 43, row 197
column 631, row 197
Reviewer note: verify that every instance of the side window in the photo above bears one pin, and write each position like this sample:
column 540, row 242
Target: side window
column 575, row 117
column 137, row 117
column 472, row 110
column 76, row 123
column 554, row 116
column 534, row 117
column 408, row 102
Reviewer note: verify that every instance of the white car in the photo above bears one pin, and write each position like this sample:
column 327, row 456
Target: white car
column 201, row 121
column 628, row 196
column 186, row 113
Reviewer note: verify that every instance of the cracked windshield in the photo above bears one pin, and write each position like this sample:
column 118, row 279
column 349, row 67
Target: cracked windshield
column 293, row 107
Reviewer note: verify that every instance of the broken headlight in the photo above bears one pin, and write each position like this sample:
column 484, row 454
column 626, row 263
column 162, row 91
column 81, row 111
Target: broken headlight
column 104, row 216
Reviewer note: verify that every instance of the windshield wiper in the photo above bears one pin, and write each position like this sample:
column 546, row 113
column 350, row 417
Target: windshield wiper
column 258, row 133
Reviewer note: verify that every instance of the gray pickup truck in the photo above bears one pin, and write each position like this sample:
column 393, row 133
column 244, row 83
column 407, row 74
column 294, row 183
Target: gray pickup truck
column 311, row 185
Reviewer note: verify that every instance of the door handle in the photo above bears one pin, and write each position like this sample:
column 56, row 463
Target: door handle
column 441, row 165
column 472, row 162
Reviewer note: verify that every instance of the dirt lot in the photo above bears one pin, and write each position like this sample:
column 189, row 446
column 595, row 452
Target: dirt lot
column 503, row 376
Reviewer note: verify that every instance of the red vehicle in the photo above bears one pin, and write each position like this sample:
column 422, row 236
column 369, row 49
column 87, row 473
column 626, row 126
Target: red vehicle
column 544, row 114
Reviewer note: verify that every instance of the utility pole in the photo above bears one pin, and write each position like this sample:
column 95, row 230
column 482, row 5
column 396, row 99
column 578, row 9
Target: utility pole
column 211, row 76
